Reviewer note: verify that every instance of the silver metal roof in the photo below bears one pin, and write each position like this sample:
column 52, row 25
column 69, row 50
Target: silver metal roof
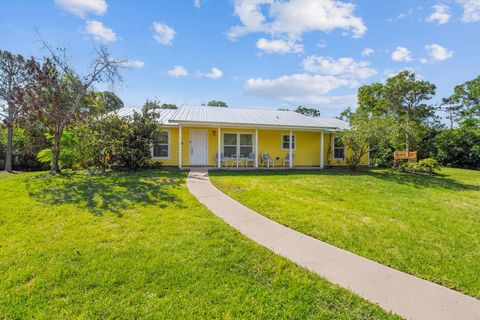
column 253, row 117
column 242, row 117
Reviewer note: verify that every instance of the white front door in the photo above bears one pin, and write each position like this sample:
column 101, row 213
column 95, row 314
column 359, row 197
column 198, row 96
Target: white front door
column 198, row 147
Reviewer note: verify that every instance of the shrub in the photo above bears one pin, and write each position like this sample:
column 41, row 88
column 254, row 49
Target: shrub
column 425, row 166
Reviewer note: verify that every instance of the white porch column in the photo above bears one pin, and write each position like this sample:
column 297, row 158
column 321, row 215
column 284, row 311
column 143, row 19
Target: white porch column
column 219, row 162
column 290, row 151
column 256, row 148
column 180, row 146
column 321, row 151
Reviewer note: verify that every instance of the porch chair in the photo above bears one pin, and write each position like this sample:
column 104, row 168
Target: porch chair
column 222, row 159
column 266, row 159
column 250, row 158
column 287, row 159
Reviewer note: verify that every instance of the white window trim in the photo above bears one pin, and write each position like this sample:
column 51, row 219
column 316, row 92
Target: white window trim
column 238, row 140
column 333, row 150
column 169, row 146
column 294, row 142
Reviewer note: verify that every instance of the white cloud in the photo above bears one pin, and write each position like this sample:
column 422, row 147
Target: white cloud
column 177, row 71
column 437, row 52
column 133, row 64
column 279, row 46
column 440, row 14
column 214, row 73
column 471, row 10
column 401, row 54
column 163, row 34
column 301, row 89
column 196, row 3
column 338, row 67
column 295, row 17
column 82, row 7
column 367, row 51
column 100, row 32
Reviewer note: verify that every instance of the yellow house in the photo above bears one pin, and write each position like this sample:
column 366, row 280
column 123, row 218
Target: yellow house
column 236, row 137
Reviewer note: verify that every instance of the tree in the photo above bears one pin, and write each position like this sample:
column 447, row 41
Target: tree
column 465, row 101
column 168, row 106
column 217, row 103
column 12, row 77
column 404, row 97
column 366, row 133
column 309, row 112
column 55, row 94
column 135, row 151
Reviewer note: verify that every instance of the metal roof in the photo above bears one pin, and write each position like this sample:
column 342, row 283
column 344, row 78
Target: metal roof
column 253, row 117
column 242, row 117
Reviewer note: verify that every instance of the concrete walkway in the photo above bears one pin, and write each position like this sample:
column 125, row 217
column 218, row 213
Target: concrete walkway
column 395, row 291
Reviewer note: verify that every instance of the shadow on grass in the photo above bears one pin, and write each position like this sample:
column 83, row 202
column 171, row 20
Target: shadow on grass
column 415, row 180
column 110, row 192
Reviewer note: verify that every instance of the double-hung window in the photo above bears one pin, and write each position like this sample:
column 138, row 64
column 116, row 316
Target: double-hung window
column 161, row 145
column 237, row 143
column 286, row 142
column 338, row 149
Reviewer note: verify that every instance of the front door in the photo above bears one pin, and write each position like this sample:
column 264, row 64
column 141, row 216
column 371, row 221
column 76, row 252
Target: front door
column 198, row 147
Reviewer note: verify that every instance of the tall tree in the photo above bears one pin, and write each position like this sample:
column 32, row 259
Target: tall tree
column 168, row 106
column 217, row 103
column 404, row 96
column 465, row 100
column 12, row 77
column 309, row 112
column 56, row 94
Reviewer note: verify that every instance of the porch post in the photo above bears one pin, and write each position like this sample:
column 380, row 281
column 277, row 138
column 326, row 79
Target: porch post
column 180, row 146
column 219, row 163
column 321, row 151
column 290, row 150
column 256, row 148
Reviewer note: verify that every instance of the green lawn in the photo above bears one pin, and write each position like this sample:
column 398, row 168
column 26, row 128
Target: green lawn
column 138, row 245
column 428, row 226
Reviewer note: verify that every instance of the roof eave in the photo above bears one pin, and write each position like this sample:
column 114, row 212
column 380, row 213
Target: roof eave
column 252, row 125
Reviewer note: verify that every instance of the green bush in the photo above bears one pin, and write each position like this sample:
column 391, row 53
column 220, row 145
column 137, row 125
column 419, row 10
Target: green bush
column 425, row 166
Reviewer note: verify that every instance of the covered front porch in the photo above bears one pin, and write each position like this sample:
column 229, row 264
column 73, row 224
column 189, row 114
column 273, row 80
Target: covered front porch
column 254, row 148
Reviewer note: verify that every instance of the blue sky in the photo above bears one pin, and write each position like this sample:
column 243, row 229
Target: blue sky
column 257, row 53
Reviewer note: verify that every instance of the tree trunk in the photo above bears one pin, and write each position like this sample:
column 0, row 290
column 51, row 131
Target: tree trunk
column 9, row 157
column 407, row 138
column 56, row 154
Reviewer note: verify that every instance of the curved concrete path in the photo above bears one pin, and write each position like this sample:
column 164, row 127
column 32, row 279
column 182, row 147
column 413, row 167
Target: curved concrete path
column 393, row 290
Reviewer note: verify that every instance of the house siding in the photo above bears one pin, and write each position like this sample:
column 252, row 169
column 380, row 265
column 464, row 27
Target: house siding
column 306, row 153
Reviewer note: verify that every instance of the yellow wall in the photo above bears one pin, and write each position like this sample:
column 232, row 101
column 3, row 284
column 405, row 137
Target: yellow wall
column 306, row 153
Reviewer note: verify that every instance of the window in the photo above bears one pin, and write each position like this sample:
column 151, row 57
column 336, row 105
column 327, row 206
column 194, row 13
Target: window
column 237, row 143
column 338, row 149
column 161, row 145
column 286, row 142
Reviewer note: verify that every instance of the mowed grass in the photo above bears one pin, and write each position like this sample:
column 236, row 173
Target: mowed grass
column 428, row 226
column 139, row 246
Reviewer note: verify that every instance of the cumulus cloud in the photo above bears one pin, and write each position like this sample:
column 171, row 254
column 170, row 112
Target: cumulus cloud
column 177, row 71
column 133, row 64
column 100, row 32
column 471, row 10
column 301, row 89
column 338, row 67
column 437, row 53
column 402, row 54
column 214, row 73
column 163, row 34
column 295, row 17
column 279, row 46
column 81, row 8
column 367, row 51
column 440, row 14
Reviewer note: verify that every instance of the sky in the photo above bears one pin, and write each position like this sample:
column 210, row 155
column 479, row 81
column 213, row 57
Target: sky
column 256, row 53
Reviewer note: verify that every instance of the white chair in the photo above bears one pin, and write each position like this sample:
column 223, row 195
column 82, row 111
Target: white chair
column 222, row 159
column 250, row 158
column 266, row 159
column 287, row 160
